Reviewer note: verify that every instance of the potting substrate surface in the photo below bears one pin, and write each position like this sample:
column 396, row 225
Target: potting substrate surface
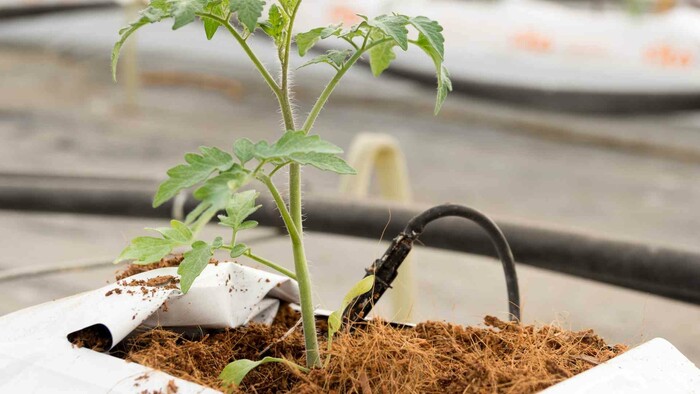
column 374, row 357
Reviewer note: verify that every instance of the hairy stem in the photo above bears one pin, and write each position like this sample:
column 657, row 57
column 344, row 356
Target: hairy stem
column 246, row 48
column 286, row 104
column 301, row 267
column 282, row 208
column 328, row 90
column 313, row 358
column 270, row 264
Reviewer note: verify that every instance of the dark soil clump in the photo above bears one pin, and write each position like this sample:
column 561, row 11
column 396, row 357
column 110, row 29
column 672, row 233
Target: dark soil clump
column 95, row 337
column 168, row 261
column 433, row 357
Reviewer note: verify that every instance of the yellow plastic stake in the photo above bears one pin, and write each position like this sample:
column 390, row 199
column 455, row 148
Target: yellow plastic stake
column 372, row 153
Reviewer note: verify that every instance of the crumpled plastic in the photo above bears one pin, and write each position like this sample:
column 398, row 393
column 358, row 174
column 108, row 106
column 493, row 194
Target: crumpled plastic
column 36, row 356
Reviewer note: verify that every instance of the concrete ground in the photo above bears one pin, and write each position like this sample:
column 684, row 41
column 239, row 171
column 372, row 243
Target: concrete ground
column 627, row 177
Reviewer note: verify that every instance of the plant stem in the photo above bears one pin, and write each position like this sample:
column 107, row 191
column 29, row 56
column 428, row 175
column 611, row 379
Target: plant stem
column 323, row 98
column 301, row 267
column 282, row 207
column 246, row 48
column 287, row 113
column 313, row 358
column 270, row 264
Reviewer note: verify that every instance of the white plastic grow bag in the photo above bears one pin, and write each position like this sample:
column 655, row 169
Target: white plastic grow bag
column 36, row 357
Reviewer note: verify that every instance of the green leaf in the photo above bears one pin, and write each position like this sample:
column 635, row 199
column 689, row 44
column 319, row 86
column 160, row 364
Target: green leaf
column 335, row 319
column 275, row 24
column 215, row 194
column 147, row 250
column 240, row 206
column 381, row 56
column 237, row 370
column 156, row 11
column 198, row 169
column 432, row 31
column 289, row 5
column 323, row 161
column 358, row 30
column 195, row 262
column 217, row 8
column 248, row 224
column 178, row 232
column 244, row 149
column 304, row 149
column 218, row 243
column 248, row 12
column 238, row 250
column 307, row 40
column 444, row 87
column 393, row 26
column 334, row 57
column 293, row 142
column 184, row 11
column 443, row 76
column 217, row 190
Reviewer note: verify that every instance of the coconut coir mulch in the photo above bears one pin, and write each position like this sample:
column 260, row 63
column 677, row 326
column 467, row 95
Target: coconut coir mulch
column 433, row 357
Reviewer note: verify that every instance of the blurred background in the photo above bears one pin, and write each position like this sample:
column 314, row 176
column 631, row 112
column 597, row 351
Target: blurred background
column 578, row 116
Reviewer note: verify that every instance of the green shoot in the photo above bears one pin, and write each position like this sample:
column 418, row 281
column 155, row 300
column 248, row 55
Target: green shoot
column 234, row 372
column 335, row 319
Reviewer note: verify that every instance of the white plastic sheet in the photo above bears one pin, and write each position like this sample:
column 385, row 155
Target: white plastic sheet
column 653, row 367
column 35, row 355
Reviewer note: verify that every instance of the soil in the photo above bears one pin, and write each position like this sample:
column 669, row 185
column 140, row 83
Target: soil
column 169, row 261
column 433, row 357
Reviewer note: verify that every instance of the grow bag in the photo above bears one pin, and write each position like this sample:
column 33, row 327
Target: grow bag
column 37, row 356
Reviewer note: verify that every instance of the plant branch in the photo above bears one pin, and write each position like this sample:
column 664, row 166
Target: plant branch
column 279, row 167
column 323, row 98
column 246, row 48
column 351, row 42
column 270, row 264
column 282, row 208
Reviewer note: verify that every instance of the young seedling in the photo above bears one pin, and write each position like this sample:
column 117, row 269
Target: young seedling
column 219, row 175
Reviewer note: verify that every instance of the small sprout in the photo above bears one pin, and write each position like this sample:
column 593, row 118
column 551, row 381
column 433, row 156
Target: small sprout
column 335, row 320
column 234, row 372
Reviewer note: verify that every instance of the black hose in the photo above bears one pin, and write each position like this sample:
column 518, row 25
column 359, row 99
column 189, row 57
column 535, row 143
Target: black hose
column 38, row 10
column 418, row 223
column 385, row 269
column 668, row 272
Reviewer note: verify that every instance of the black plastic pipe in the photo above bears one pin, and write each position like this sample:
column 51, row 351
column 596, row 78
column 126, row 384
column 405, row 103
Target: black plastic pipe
column 386, row 268
column 25, row 11
column 667, row 272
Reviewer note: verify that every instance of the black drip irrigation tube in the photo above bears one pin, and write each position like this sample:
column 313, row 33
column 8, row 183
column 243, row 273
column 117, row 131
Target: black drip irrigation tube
column 38, row 10
column 667, row 272
column 385, row 269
